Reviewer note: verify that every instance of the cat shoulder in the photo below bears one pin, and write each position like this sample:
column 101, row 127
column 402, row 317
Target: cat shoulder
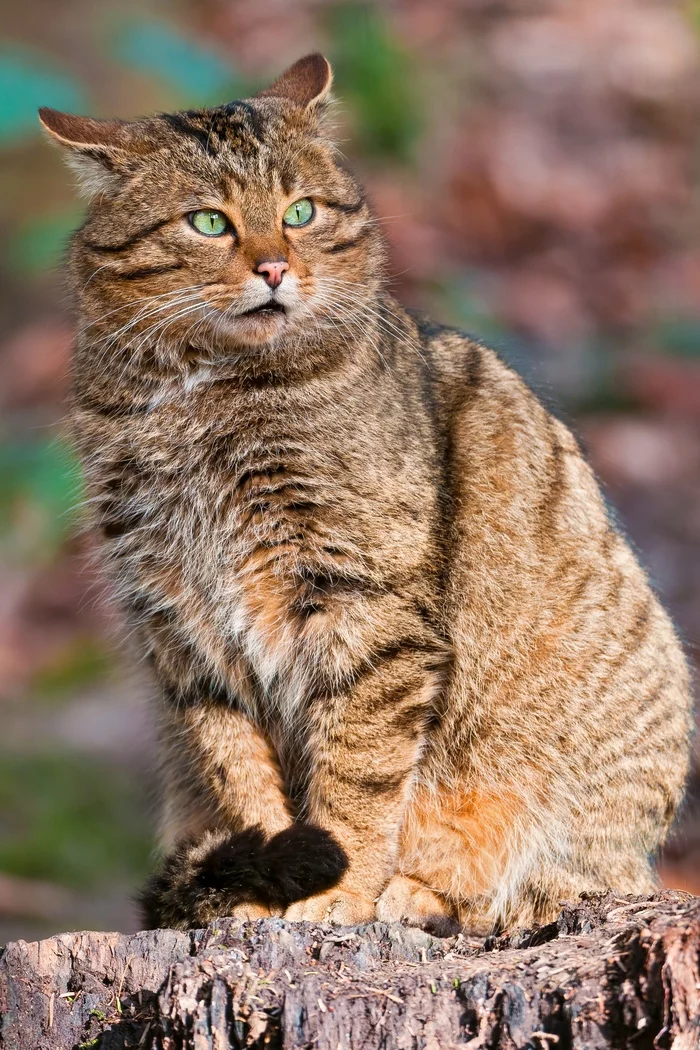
column 466, row 365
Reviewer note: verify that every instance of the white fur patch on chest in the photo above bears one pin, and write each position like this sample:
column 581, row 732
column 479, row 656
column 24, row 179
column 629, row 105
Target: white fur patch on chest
column 172, row 389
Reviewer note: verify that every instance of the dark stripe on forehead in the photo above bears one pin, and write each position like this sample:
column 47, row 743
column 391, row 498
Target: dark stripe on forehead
column 287, row 180
column 146, row 271
column 146, row 231
column 255, row 120
column 183, row 126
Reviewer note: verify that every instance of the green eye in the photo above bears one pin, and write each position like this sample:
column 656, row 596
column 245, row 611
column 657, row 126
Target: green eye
column 299, row 213
column 210, row 223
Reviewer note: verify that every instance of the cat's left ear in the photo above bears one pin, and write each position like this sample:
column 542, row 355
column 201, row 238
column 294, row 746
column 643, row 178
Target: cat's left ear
column 100, row 151
column 307, row 83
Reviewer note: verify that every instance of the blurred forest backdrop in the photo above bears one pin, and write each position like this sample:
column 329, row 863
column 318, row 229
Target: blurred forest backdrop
column 537, row 167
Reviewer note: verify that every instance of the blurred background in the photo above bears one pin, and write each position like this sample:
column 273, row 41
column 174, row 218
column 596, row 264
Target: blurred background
column 536, row 164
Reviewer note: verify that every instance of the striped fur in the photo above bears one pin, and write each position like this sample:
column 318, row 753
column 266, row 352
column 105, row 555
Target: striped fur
column 375, row 579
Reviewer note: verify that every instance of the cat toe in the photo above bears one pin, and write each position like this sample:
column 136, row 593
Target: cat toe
column 408, row 901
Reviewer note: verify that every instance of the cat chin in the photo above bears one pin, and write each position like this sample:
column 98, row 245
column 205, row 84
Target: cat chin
column 240, row 332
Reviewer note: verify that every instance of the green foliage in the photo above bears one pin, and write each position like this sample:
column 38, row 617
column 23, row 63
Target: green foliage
column 693, row 12
column 678, row 336
column 25, row 84
column 462, row 303
column 39, row 491
column 378, row 78
column 83, row 661
column 38, row 242
column 70, row 819
column 197, row 74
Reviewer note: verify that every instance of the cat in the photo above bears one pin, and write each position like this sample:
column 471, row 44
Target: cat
column 408, row 668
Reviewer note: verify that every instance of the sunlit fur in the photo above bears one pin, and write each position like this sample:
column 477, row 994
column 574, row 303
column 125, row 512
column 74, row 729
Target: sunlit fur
column 375, row 579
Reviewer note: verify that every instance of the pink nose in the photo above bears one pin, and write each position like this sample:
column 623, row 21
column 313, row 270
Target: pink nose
column 272, row 271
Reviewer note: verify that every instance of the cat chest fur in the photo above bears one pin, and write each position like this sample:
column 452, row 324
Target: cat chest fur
column 267, row 556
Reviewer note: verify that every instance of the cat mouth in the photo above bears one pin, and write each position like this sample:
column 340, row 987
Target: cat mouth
column 264, row 310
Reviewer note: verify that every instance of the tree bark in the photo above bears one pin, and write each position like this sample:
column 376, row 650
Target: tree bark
column 612, row 972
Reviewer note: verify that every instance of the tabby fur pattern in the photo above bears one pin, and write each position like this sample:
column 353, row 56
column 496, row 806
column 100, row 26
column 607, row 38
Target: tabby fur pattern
column 408, row 668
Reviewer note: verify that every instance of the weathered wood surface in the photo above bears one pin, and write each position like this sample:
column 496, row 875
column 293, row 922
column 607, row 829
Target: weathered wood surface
column 612, row 972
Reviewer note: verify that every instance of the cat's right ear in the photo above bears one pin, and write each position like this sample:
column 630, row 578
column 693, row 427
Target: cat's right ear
column 99, row 151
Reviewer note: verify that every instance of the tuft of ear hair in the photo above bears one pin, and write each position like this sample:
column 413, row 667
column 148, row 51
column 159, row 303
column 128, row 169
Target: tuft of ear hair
column 98, row 150
column 307, row 83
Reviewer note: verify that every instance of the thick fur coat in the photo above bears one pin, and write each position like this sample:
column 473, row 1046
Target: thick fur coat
column 407, row 666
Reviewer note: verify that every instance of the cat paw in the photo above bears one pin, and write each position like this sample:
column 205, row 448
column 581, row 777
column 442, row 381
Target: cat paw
column 339, row 907
column 408, row 901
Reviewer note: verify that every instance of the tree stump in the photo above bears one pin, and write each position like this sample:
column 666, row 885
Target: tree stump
column 612, row 972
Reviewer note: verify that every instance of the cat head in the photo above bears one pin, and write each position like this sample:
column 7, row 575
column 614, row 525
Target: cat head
column 228, row 229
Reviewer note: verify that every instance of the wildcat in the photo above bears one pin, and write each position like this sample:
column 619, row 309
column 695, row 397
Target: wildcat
column 407, row 666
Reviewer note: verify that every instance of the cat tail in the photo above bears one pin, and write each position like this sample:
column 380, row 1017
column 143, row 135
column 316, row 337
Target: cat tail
column 206, row 878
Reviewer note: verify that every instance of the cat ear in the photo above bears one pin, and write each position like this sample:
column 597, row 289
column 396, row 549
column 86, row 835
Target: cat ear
column 98, row 150
column 307, row 82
